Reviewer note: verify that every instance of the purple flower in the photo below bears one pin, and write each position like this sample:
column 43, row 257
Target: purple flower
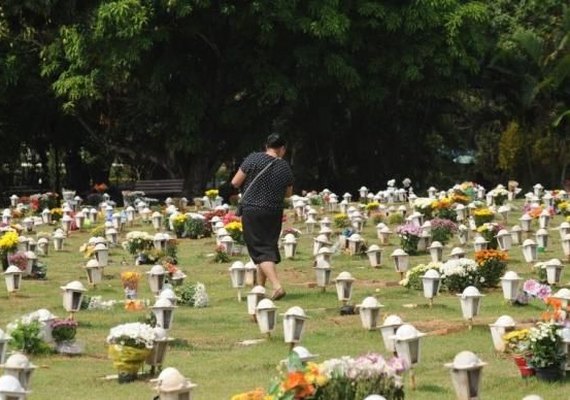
column 544, row 291
column 442, row 223
column 408, row 229
column 398, row 364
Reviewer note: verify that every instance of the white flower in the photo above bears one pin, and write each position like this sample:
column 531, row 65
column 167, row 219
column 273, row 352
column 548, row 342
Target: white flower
column 200, row 296
column 140, row 334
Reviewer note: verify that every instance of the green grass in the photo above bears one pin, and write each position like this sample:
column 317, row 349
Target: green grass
column 208, row 351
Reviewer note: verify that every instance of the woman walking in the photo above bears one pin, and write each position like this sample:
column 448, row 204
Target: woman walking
column 266, row 179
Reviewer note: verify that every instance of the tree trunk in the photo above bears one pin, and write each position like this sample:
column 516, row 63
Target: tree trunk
column 197, row 172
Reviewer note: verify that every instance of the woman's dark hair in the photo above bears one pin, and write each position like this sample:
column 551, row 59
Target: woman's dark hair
column 274, row 141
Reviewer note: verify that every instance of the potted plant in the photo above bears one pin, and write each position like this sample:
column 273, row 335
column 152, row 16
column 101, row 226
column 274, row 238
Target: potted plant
column 63, row 330
column 409, row 237
column 129, row 346
column 442, row 230
column 483, row 215
column 8, row 244
column 545, row 351
column 130, row 281
column 517, row 343
column 235, row 230
column 179, row 222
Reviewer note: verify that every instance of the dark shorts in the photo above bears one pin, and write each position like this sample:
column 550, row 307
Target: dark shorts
column 261, row 229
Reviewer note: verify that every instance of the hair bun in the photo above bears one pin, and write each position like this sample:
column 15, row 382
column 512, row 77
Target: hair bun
column 275, row 141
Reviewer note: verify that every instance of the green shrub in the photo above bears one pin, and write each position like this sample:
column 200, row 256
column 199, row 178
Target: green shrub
column 395, row 219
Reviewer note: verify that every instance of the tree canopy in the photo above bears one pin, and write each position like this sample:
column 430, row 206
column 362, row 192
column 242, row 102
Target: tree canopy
column 364, row 90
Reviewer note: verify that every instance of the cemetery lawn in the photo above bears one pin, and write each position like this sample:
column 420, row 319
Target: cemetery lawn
column 207, row 349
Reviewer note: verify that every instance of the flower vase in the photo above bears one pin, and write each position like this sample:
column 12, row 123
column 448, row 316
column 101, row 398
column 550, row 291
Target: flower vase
column 130, row 292
column 552, row 373
column 127, row 361
column 524, row 369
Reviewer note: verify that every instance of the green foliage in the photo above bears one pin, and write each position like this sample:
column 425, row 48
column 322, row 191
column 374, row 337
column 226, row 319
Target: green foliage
column 98, row 230
column 185, row 294
column 27, row 338
column 395, row 219
column 195, row 228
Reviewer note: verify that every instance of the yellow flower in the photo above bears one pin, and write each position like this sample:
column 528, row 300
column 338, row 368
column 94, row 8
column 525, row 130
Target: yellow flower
column 483, row 212
column 372, row 206
column 180, row 218
column 234, row 226
column 212, row 193
column 446, row 202
column 9, row 241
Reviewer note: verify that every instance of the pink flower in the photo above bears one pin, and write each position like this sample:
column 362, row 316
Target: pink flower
column 531, row 287
column 398, row 364
column 544, row 292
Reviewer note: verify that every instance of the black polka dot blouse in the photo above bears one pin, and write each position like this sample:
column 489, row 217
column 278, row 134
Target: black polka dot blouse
column 268, row 191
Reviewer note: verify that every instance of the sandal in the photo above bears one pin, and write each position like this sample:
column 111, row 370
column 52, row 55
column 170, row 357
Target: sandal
column 278, row 294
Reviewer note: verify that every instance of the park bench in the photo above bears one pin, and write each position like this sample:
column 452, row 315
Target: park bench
column 160, row 187
column 21, row 190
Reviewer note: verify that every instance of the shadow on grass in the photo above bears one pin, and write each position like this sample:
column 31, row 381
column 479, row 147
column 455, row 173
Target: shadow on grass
column 432, row 389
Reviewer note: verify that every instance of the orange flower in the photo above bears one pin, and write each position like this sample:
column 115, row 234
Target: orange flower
column 535, row 212
column 556, row 313
column 257, row 394
column 134, row 305
column 555, row 303
column 170, row 267
column 485, row 255
column 296, row 381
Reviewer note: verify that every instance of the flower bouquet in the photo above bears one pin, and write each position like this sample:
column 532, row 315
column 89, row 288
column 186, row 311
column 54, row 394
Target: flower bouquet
column 8, row 244
column 129, row 346
column 424, row 205
column 31, row 333
column 193, row 295
column 56, row 214
column 212, row 194
column 175, row 274
column 460, row 273
column 483, row 215
column 413, row 277
column 341, row 221
column 500, row 195
column 235, row 230
column 533, row 289
column 179, row 222
column 19, row 259
column 221, row 255
column 517, row 343
column 409, row 237
column 442, row 229
column 545, row 350
column 489, row 231
column 444, row 210
column 130, row 281
column 138, row 242
column 492, row 265
column 63, row 330
column 335, row 379
column 291, row 231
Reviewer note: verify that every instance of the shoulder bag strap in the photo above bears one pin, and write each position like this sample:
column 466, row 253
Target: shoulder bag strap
column 256, row 176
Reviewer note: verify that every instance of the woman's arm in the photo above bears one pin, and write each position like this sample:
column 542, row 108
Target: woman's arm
column 238, row 179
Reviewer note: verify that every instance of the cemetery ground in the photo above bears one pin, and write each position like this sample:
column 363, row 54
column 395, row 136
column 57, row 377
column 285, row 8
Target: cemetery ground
column 207, row 349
